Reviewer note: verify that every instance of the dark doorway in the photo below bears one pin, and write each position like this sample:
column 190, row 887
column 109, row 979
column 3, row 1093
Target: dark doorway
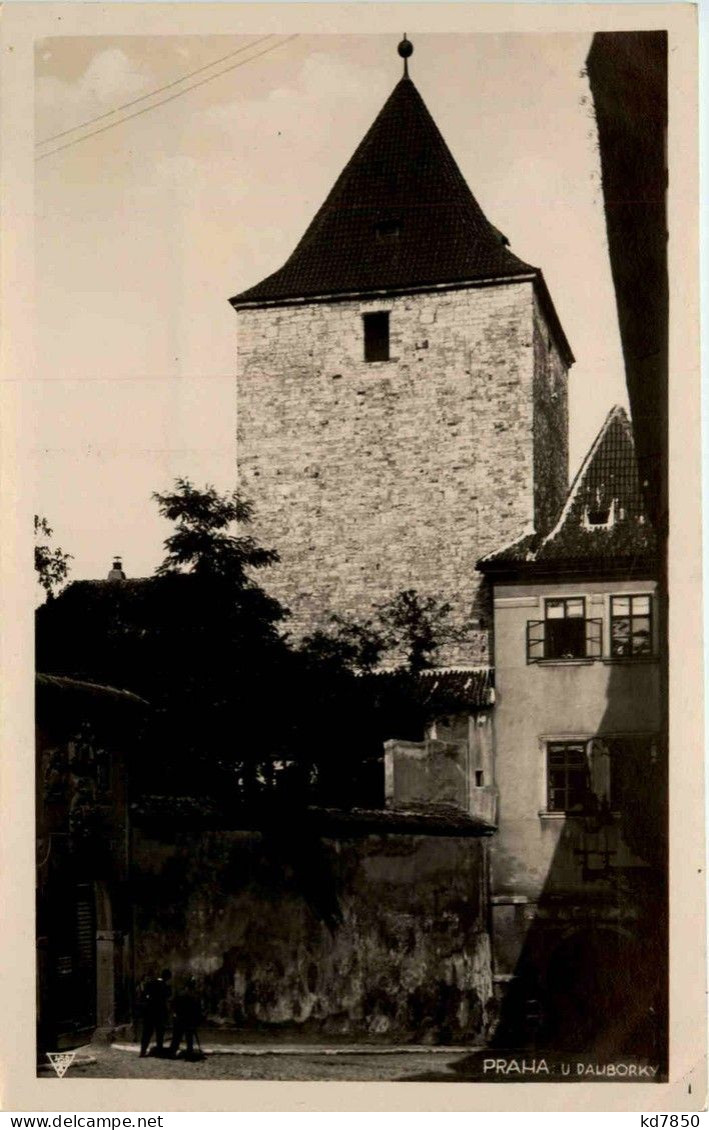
column 72, row 963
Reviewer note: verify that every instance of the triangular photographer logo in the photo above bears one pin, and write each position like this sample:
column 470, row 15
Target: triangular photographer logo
column 61, row 1061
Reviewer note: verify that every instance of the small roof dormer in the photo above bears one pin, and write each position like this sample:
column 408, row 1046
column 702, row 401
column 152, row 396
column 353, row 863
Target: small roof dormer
column 604, row 523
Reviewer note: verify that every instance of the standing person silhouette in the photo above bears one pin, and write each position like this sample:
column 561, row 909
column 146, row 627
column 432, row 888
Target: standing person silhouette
column 188, row 1013
column 155, row 997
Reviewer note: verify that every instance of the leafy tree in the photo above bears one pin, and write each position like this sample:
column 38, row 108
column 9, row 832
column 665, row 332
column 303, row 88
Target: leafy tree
column 202, row 543
column 349, row 704
column 349, row 643
column 417, row 626
column 408, row 625
column 51, row 565
column 200, row 640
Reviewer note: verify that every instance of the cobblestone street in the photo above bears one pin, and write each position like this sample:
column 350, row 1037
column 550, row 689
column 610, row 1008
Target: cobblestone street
column 116, row 1062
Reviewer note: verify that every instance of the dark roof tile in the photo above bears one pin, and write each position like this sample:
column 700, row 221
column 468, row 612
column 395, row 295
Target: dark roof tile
column 468, row 687
column 400, row 215
column 604, row 517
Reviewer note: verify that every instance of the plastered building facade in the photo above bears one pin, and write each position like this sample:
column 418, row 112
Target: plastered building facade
column 577, row 859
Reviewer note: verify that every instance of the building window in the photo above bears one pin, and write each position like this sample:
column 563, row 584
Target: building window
column 631, row 626
column 565, row 628
column 376, row 336
column 597, row 775
column 568, row 778
column 565, row 632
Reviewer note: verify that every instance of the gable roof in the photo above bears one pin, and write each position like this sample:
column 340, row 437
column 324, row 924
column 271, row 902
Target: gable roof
column 399, row 215
column 604, row 520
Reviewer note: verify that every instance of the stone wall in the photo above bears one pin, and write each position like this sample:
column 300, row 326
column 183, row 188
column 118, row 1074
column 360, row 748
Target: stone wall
column 551, row 424
column 374, row 937
column 370, row 478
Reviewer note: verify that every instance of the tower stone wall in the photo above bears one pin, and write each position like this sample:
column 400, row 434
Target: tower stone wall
column 373, row 477
column 551, row 423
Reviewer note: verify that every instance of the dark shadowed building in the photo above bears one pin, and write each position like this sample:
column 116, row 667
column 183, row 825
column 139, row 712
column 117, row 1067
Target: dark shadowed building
column 627, row 74
column 85, row 735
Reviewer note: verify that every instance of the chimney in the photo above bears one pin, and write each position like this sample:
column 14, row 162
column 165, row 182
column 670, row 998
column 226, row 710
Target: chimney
column 116, row 572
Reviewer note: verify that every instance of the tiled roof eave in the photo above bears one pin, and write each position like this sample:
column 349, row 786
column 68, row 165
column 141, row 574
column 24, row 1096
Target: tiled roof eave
column 67, row 685
column 430, row 820
column 242, row 303
column 471, row 687
column 631, row 566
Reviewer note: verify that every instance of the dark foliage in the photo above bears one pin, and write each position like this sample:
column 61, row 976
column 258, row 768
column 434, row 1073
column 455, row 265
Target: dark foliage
column 199, row 655
column 416, row 626
column 51, row 564
column 348, row 645
column 201, row 543
column 202, row 645
column 236, row 710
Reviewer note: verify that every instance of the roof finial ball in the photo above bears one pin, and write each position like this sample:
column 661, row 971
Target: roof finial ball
column 406, row 50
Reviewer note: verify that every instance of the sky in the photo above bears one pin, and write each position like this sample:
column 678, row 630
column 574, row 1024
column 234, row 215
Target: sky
column 144, row 231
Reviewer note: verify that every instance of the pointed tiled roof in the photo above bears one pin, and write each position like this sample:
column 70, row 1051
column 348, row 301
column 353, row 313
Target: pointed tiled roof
column 604, row 518
column 400, row 215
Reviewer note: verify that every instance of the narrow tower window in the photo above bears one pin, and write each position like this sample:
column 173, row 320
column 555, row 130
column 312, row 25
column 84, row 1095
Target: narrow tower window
column 376, row 336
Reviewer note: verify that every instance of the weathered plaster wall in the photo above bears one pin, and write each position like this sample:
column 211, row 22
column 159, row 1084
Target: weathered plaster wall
column 449, row 771
column 370, row 478
column 377, row 937
column 427, row 773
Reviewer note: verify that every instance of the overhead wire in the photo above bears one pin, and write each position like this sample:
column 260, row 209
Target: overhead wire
column 164, row 101
column 152, row 93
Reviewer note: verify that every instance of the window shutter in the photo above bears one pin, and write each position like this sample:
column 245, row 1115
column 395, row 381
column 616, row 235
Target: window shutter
column 535, row 640
column 594, row 639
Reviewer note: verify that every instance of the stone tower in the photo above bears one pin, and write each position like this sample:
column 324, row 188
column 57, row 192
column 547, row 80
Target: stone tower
column 402, row 399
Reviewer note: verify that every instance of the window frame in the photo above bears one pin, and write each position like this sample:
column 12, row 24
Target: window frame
column 556, row 746
column 631, row 654
column 599, row 628
column 614, row 743
column 565, row 601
